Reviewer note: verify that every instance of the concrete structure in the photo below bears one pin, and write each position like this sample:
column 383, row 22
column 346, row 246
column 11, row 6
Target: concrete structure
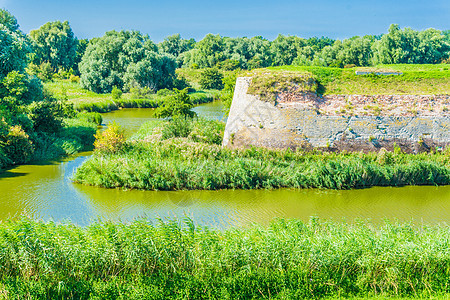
column 302, row 124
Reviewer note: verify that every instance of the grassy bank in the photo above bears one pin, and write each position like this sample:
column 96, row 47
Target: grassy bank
column 177, row 163
column 416, row 80
column 84, row 100
column 75, row 135
column 287, row 260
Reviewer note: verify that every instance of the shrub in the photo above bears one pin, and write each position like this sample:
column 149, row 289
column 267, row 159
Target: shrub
column 211, row 79
column 208, row 131
column 177, row 105
column 116, row 93
column 18, row 146
column 141, row 93
column 45, row 116
column 164, row 92
column 177, row 127
column 74, row 79
column 45, row 72
column 94, row 117
column 4, row 160
column 111, row 140
column 229, row 64
column 180, row 82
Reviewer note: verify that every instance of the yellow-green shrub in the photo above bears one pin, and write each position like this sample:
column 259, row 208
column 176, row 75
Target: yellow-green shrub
column 111, row 140
column 18, row 147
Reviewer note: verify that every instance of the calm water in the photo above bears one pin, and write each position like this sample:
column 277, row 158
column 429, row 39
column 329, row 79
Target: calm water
column 45, row 191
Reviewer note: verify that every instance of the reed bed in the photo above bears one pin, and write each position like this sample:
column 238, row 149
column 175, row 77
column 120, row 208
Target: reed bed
column 289, row 259
column 183, row 164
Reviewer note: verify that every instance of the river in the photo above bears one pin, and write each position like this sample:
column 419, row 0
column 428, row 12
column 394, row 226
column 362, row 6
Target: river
column 45, row 191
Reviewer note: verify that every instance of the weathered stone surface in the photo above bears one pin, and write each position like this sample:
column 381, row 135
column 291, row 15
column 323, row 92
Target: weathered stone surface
column 293, row 124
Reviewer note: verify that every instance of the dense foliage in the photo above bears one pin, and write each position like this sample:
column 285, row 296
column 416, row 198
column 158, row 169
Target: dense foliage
column 54, row 43
column 33, row 124
column 177, row 105
column 14, row 45
column 397, row 46
column 288, row 259
column 125, row 59
column 211, row 79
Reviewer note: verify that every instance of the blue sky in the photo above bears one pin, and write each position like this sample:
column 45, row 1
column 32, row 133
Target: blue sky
column 336, row 19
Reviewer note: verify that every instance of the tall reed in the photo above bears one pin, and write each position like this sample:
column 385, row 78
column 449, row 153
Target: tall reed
column 170, row 260
column 181, row 163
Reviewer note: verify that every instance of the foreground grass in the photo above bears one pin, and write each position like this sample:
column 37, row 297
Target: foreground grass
column 288, row 259
column 151, row 163
column 84, row 100
column 416, row 80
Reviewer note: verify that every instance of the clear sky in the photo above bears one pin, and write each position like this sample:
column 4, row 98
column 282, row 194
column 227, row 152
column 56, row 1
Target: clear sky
column 332, row 18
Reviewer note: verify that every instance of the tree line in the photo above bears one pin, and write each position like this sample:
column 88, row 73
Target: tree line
column 128, row 59
column 33, row 124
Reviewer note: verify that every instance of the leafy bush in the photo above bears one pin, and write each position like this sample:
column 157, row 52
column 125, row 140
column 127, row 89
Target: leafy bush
column 74, row 79
column 164, row 92
column 46, row 116
column 177, row 127
column 177, row 105
column 18, row 147
column 116, row 93
column 211, row 79
column 111, row 140
column 207, row 131
column 141, row 93
column 4, row 159
column 228, row 91
column 229, row 65
column 180, row 82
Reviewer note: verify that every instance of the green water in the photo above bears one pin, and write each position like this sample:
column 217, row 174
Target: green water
column 45, row 191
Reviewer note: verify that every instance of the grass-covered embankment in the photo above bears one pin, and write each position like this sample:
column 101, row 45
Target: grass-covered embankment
column 153, row 163
column 85, row 100
column 416, row 79
column 288, row 259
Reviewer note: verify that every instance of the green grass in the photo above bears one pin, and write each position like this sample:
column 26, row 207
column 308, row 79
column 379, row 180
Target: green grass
column 193, row 75
column 288, row 259
column 268, row 84
column 416, row 80
column 85, row 100
column 150, row 163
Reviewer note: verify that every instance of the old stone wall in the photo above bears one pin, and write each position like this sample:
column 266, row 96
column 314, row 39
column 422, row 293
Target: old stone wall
column 296, row 124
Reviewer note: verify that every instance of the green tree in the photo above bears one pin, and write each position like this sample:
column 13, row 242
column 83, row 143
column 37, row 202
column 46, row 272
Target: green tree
column 55, row 43
column 81, row 48
column 175, row 45
column 207, row 52
column 409, row 46
column 211, row 79
column 14, row 46
column 177, row 105
column 8, row 20
column 285, row 48
column 125, row 59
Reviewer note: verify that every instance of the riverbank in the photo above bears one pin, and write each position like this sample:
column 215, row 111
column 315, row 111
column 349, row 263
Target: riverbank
column 288, row 259
column 84, row 100
column 183, row 163
column 75, row 135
